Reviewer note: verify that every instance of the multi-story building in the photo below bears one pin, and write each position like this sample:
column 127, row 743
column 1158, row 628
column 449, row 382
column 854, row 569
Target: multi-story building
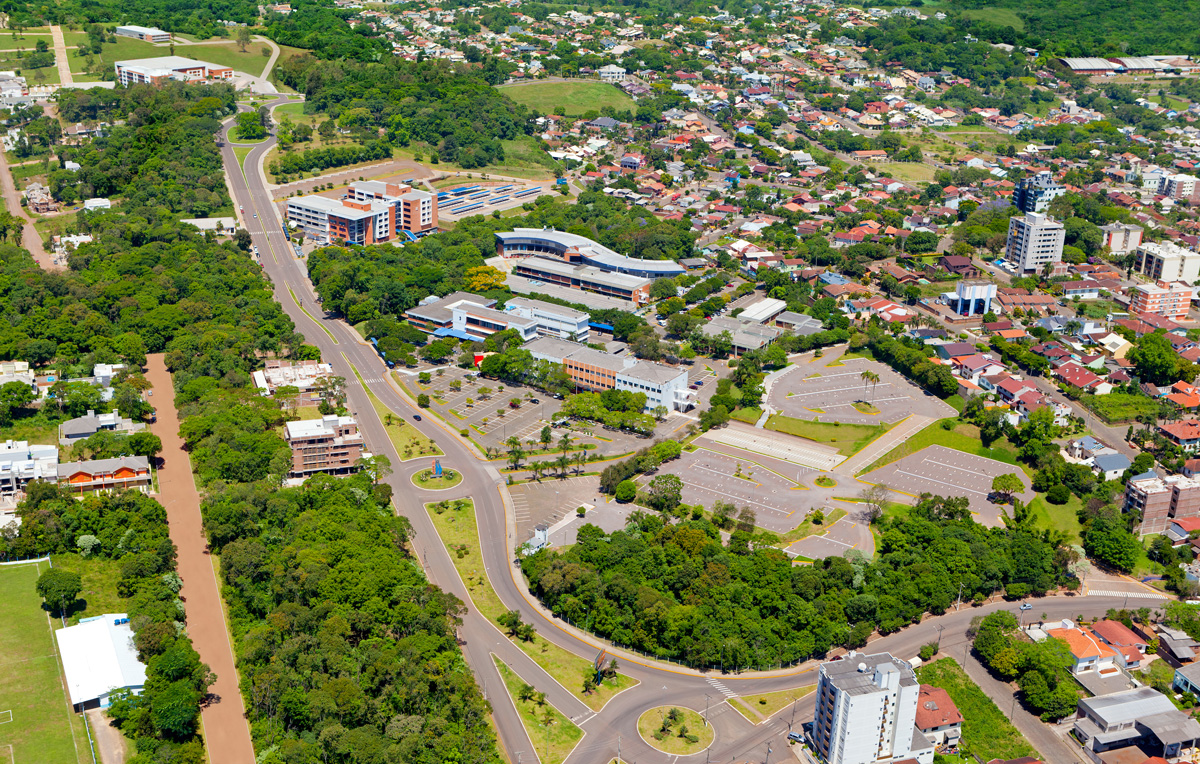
column 1167, row 261
column 589, row 279
column 469, row 320
column 155, row 71
column 114, row 474
column 552, row 320
column 147, row 34
column 971, row 298
column 1121, row 237
column 302, row 375
column 572, row 248
column 595, row 371
column 22, row 463
column 867, row 712
column 436, row 313
column 1034, row 241
column 1178, row 186
column 371, row 212
column 330, row 444
column 1169, row 299
column 1161, row 500
column 1034, row 194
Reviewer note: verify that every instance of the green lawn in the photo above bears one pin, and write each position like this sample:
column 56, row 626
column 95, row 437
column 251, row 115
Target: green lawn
column 406, row 439
column 768, row 703
column 964, row 437
column 553, row 734
column 913, row 171
column 672, row 741
column 846, row 438
column 456, row 526
column 1062, row 517
column 424, row 479
column 1118, row 408
column 574, row 97
column 1004, row 17
column 43, row 727
column 226, row 54
column 986, row 732
column 99, row 593
column 808, row 527
column 750, row 415
column 240, row 152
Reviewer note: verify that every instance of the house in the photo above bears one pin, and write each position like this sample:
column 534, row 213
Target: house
column 1185, row 434
column 1176, row 647
column 1115, row 346
column 1111, row 466
column 959, row 266
column 81, row 428
column 937, row 716
column 1187, row 679
column 1071, row 373
column 1089, row 652
column 1086, row 448
column 1180, row 529
column 1141, row 717
column 1130, row 647
column 113, row 474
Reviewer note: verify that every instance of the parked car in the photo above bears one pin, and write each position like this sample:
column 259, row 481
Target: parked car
column 417, row 417
column 797, row 737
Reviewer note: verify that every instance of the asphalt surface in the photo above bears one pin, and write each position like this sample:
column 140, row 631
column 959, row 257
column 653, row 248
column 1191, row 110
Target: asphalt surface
column 615, row 727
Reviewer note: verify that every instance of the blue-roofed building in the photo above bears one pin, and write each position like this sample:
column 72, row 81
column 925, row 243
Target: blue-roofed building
column 833, row 278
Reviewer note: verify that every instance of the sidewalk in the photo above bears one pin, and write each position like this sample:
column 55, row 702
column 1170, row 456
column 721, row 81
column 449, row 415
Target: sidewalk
column 883, row 444
column 226, row 732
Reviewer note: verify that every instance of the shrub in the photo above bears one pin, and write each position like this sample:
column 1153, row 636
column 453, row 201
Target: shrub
column 626, row 491
column 423, row 401
column 1058, row 494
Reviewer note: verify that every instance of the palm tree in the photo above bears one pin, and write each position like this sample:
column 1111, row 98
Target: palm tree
column 870, row 377
column 563, row 461
column 580, row 460
column 515, row 452
column 564, row 443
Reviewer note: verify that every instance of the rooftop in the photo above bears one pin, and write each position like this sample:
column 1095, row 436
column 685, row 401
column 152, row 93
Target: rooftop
column 98, row 657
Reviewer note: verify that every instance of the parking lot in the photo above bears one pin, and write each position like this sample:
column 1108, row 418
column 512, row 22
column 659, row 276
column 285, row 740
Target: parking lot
column 838, row 393
column 943, row 471
column 850, row 532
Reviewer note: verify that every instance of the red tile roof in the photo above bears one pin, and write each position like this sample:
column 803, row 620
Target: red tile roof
column 935, row 709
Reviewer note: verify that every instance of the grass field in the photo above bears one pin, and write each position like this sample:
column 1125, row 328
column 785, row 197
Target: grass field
column 574, row 97
column 750, row 415
column 846, row 438
column 673, row 742
column 99, row 593
column 964, row 437
column 986, row 732
column 225, row 54
column 913, row 171
column 457, row 528
column 43, row 728
column 768, row 703
column 1063, row 517
column 808, row 527
column 554, row 741
column 1005, row 17
column 1118, row 408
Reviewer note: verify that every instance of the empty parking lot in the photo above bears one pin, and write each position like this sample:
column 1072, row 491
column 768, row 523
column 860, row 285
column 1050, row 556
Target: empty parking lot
column 837, row 393
column 943, row 471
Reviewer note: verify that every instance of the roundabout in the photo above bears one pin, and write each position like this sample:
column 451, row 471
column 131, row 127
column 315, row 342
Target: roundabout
column 675, row 730
column 429, row 480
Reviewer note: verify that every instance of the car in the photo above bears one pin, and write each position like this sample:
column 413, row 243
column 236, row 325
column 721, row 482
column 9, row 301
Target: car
column 256, row 216
column 797, row 737
column 534, row 400
column 149, row 392
column 417, row 417
column 1026, row 606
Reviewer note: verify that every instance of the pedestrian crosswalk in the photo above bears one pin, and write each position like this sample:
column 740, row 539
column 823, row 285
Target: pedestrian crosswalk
column 1109, row 593
column 716, row 683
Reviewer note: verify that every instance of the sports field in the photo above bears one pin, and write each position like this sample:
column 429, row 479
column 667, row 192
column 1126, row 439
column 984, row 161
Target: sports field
column 43, row 728
column 574, row 97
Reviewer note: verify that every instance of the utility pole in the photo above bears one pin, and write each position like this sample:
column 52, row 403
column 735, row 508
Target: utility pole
column 618, row 748
column 768, row 761
column 959, row 600
column 940, row 628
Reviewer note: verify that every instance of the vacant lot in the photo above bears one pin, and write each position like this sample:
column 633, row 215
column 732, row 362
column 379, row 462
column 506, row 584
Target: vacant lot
column 985, row 731
column 43, row 728
column 574, row 97
column 846, row 438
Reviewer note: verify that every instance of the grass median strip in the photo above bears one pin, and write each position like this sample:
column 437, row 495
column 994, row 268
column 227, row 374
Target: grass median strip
column 986, row 732
column 455, row 523
column 553, row 734
column 848, row 439
column 756, row 708
column 406, row 439
column 310, row 315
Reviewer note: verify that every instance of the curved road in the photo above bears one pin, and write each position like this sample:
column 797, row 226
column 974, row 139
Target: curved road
column 614, row 727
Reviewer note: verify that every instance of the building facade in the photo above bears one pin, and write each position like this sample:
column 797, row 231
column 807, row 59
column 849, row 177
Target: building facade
column 330, row 444
column 1178, row 186
column 572, row 248
column 370, row 213
column 1034, row 241
column 622, row 286
column 147, row 34
column 1034, row 194
column 1169, row 299
column 302, row 375
column 971, row 298
column 867, row 712
column 595, row 371
column 1167, row 261
column 552, row 320
column 115, row 474
column 155, row 71
column 1121, row 237
column 22, row 463
column 1161, row 500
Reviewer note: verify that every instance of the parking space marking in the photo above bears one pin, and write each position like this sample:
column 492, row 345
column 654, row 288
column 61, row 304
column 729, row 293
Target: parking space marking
column 783, row 512
column 939, row 482
column 840, row 390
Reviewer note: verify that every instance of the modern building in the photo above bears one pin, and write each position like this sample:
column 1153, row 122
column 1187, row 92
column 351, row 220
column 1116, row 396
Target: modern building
column 800, row 324
column 1121, row 237
column 612, row 73
column 970, row 298
column 470, row 320
column 1034, row 194
column 1141, row 717
column 302, row 375
column 1034, row 241
column 81, row 428
column 22, row 463
column 371, row 212
column 1167, row 261
column 100, row 660
column 743, row 335
column 937, row 716
column 552, row 320
column 763, row 311
column 330, row 444
column 1169, row 299
column 437, row 312
column 867, row 712
column 147, row 34
column 1178, row 186
column 596, row 371
column 155, row 71
column 584, row 277
column 114, row 474
column 572, row 248
column 1160, row 500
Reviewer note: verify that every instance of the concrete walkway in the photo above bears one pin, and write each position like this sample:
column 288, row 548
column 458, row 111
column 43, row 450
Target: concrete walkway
column 226, row 732
column 884, row 443
column 60, row 56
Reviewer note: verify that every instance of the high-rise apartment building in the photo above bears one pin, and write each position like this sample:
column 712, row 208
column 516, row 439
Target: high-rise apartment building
column 1161, row 500
column 1169, row 299
column 1178, row 186
column 370, row 212
column 329, row 444
column 1167, row 261
column 1121, row 237
column 1034, row 194
column 1034, row 240
column 867, row 712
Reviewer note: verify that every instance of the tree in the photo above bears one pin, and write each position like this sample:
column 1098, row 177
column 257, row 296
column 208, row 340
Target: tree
column 377, row 467
column 546, row 437
column 483, row 279
column 250, row 127
column 871, row 378
column 145, row 444
column 875, row 498
column 59, row 588
column 1006, row 485
column 665, row 492
column 515, row 452
column 511, row 621
column 243, row 37
column 626, row 491
column 1155, row 359
column 1108, row 541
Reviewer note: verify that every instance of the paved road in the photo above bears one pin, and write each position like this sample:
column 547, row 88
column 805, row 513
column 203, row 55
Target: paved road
column 226, row 734
column 660, row 684
column 60, row 56
column 30, row 238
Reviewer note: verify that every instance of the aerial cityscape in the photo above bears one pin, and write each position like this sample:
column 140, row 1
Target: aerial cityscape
column 633, row 383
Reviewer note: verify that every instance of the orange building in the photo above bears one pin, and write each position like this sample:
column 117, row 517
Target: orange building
column 1167, row 299
column 106, row 474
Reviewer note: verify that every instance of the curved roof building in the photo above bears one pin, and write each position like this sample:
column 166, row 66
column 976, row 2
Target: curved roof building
column 572, row 248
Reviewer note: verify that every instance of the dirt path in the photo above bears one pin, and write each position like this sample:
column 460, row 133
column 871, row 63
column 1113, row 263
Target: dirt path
column 226, row 732
column 110, row 743
column 60, row 56
column 30, row 238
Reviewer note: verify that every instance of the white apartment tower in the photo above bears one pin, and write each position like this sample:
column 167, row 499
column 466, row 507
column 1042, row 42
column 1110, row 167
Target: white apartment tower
column 1167, row 261
column 867, row 712
column 1033, row 241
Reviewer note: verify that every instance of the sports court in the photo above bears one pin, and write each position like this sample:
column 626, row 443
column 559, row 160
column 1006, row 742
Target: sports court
column 36, row 721
column 943, row 471
column 830, row 393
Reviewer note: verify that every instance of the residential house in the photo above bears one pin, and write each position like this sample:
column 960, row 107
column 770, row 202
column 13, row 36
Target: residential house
column 1129, row 646
column 1180, row 529
column 1176, row 647
column 937, row 716
column 1111, row 466
column 81, row 428
column 1088, row 651
column 114, row 474
column 958, row 265
column 1185, row 434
